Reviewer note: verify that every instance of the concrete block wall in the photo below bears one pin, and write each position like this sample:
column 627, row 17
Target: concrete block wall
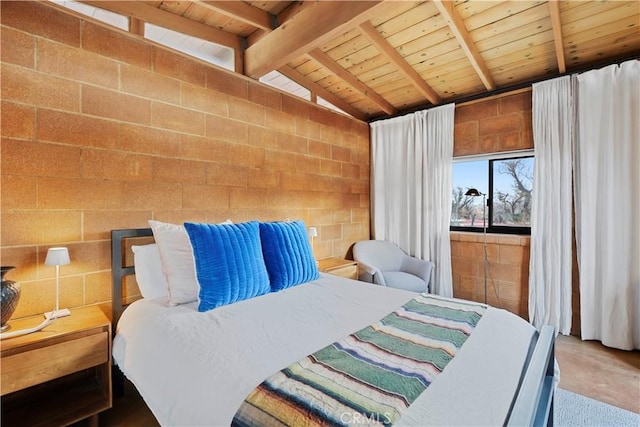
column 493, row 125
column 490, row 126
column 103, row 130
column 507, row 270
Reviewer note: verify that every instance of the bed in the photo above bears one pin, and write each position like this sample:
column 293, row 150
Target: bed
column 198, row 368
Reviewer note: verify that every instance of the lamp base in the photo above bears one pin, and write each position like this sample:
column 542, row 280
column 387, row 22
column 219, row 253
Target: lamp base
column 58, row 313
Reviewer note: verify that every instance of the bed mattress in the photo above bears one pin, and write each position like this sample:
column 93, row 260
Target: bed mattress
column 196, row 369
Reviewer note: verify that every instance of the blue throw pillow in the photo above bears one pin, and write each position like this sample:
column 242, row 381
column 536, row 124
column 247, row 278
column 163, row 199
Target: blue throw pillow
column 287, row 254
column 229, row 262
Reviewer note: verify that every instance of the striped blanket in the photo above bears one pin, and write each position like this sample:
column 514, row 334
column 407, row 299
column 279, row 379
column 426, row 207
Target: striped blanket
column 369, row 377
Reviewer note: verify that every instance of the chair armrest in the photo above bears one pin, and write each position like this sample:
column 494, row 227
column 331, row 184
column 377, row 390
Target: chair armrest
column 371, row 274
column 418, row 267
column 378, row 279
column 365, row 277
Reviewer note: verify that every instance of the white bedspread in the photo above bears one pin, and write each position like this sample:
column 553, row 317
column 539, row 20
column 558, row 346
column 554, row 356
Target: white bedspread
column 195, row 369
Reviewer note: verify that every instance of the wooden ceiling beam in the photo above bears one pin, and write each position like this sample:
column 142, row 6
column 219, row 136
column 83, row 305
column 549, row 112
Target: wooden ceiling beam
column 292, row 10
column 240, row 11
column 315, row 88
column 398, row 61
column 556, row 25
column 326, row 61
column 161, row 18
column 304, row 32
column 136, row 26
column 456, row 24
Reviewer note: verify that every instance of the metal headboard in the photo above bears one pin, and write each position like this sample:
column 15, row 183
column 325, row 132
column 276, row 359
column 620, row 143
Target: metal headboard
column 118, row 269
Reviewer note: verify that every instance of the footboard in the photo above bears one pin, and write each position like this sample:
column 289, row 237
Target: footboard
column 533, row 405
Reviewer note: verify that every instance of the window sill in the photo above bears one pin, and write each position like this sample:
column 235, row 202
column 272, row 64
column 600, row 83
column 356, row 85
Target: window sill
column 502, row 239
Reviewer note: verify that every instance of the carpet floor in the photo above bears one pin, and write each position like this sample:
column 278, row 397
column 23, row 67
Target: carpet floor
column 573, row 409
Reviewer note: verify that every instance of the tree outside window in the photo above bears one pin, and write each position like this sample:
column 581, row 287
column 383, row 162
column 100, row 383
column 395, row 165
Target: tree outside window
column 508, row 184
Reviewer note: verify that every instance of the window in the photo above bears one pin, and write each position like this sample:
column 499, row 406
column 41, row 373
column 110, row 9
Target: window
column 207, row 51
column 506, row 182
column 105, row 16
column 202, row 49
column 284, row 83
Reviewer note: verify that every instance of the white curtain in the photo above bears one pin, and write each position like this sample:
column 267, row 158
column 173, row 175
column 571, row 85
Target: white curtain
column 550, row 262
column 411, row 187
column 607, row 197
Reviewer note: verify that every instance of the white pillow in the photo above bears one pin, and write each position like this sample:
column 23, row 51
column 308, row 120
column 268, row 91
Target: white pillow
column 177, row 261
column 151, row 280
column 178, row 264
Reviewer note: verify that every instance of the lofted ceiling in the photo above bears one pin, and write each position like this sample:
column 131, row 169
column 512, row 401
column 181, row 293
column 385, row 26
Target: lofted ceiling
column 377, row 58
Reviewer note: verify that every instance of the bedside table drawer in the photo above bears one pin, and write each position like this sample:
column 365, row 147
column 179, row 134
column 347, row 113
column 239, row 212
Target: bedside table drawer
column 348, row 271
column 339, row 267
column 60, row 375
column 43, row 364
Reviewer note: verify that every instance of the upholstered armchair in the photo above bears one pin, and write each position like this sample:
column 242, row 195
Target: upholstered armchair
column 385, row 264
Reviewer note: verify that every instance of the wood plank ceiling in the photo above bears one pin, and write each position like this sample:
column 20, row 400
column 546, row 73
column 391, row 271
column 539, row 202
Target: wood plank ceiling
column 377, row 58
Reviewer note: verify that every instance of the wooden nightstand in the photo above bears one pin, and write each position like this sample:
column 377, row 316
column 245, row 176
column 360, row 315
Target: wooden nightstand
column 59, row 375
column 339, row 267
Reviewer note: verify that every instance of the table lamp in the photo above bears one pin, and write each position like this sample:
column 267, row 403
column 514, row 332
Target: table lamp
column 57, row 257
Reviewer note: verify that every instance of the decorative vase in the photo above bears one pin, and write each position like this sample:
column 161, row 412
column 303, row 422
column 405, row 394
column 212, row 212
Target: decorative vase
column 9, row 296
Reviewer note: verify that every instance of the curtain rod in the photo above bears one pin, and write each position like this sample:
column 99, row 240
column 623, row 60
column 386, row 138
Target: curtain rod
column 508, row 90
column 495, row 96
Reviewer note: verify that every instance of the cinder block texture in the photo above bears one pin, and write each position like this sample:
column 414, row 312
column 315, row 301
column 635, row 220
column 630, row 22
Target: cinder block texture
column 102, row 130
column 492, row 126
column 507, row 270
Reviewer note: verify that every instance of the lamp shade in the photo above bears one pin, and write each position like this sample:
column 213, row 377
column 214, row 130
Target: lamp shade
column 57, row 256
column 313, row 232
column 473, row 192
